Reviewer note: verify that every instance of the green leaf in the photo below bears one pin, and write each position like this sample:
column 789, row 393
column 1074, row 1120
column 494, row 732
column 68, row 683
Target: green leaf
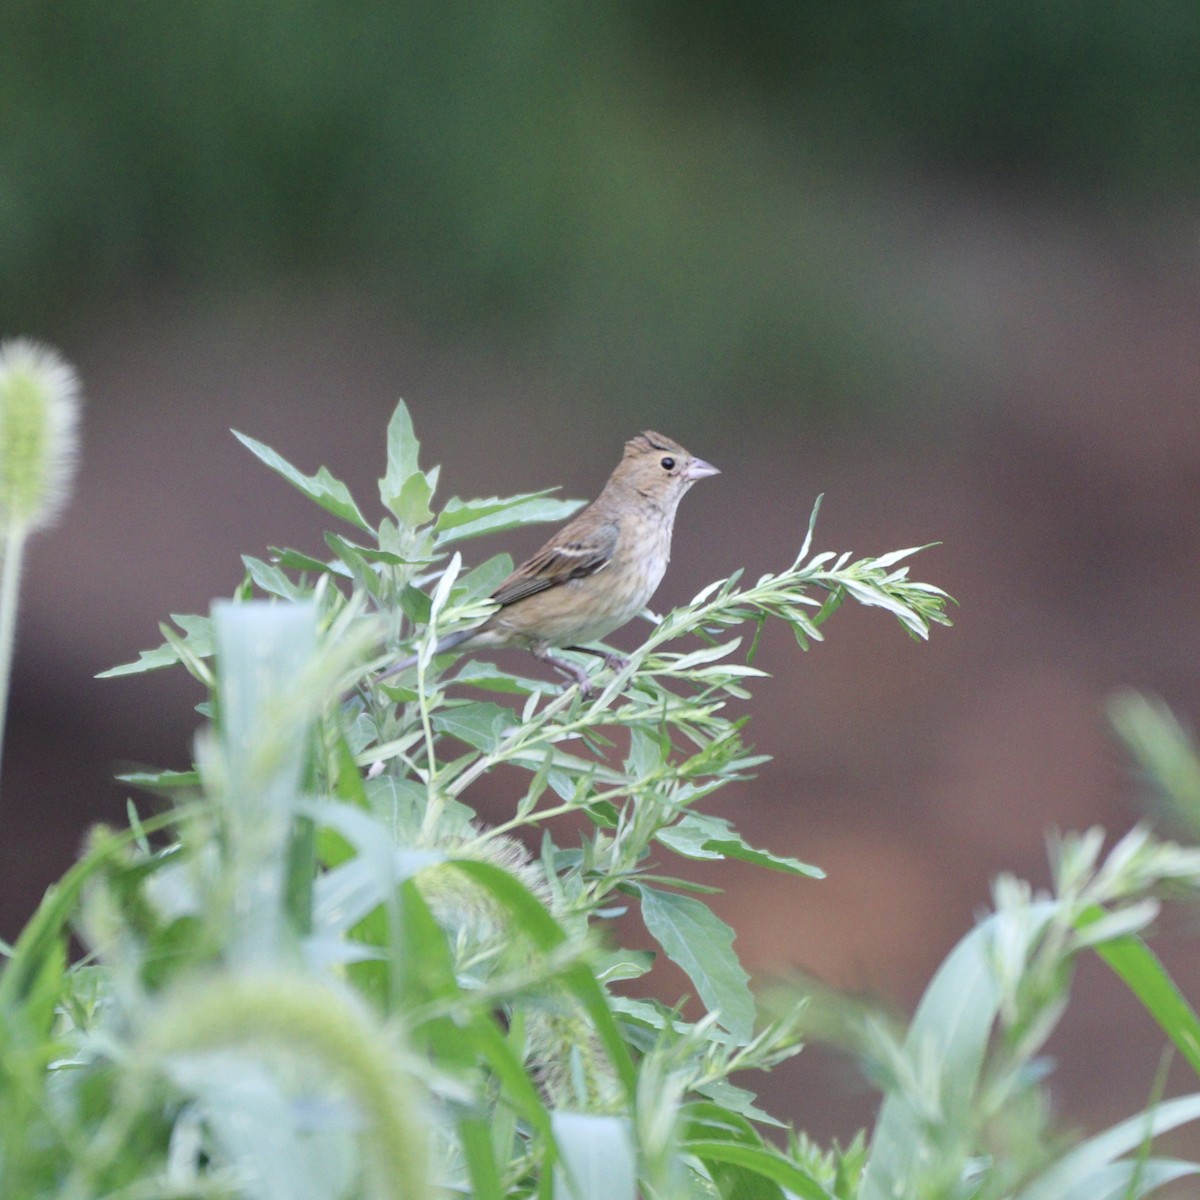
column 329, row 493
column 475, row 1136
column 294, row 560
column 197, row 633
column 43, row 939
column 405, row 490
column 808, row 536
column 272, row 580
column 706, row 654
column 714, row 1122
column 403, row 449
column 950, row 1030
column 415, row 605
column 518, row 1088
column 1075, row 1175
column 163, row 782
column 355, row 560
column 760, row 1161
column 545, row 933
column 347, row 893
column 480, row 724
column 490, row 677
column 366, row 553
column 411, row 504
column 647, row 752
column 1164, row 750
column 702, row 944
column 739, row 1100
column 596, row 1158
column 1131, row 1179
column 484, row 579
column 461, row 519
column 1137, row 965
column 699, row 836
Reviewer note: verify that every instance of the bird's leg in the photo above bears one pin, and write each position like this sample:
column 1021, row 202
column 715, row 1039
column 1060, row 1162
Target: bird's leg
column 612, row 660
column 542, row 653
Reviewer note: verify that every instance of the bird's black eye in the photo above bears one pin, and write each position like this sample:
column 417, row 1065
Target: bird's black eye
column 668, row 464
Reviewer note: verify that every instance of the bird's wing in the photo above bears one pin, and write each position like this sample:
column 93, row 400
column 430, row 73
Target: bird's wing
column 558, row 562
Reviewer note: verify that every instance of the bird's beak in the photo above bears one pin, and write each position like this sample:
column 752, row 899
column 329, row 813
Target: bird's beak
column 699, row 469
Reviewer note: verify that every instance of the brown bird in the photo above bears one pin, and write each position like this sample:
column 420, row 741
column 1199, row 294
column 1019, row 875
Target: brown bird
column 599, row 570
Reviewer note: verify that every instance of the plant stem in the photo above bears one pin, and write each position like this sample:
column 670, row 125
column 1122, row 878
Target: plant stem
column 10, row 578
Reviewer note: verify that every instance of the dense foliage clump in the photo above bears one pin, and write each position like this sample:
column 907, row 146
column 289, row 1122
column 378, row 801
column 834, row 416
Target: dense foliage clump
column 314, row 972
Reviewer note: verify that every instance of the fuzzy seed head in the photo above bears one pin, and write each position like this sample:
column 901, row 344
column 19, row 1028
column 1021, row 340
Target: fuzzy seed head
column 39, row 424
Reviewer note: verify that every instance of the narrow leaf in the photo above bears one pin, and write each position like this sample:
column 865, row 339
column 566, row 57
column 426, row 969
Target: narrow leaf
column 329, row 493
column 1139, row 968
column 1076, row 1171
column 761, row 1161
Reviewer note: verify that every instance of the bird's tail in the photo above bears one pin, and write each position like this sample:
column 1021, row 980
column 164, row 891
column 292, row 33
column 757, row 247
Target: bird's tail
column 444, row 643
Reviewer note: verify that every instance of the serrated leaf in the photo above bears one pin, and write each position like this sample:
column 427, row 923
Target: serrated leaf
column 738, row 1100
column 736, row 848
column 197, row 635
column 688, row 841
column 697, row 940
column 698, row 836
column 403, row 462
column 331, row 494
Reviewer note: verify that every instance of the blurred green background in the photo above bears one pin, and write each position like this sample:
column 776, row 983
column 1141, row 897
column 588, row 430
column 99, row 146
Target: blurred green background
column 937, row 260
column 681, row 197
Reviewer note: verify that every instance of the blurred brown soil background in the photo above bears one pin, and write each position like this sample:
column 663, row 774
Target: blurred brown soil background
column 1063, row 495
column 937, row 262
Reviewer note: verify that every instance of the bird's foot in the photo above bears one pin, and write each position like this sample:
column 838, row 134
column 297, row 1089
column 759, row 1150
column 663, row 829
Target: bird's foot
column 612, row 660
column 570, row 669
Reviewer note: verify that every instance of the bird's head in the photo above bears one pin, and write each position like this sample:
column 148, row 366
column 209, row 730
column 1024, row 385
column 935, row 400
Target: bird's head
column 659, row 469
